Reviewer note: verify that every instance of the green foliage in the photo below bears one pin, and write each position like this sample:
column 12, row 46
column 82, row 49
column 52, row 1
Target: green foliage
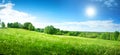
column 14, row 25
column 59, row 33
column 31, row 27
column 119, row 38
column 26, row 25
column 9, row 25
column 73, row 33
column 82, row 34
column 106, row 36
column 116, row 35
column 3, row 25
column 50, row 30
column 39, row 30
column 17, row 25
column 56, row 31
column 23, row 42
column 64, row 32
column 89, row 34
column 92, row 35
column 102, row 36
column 112, row 36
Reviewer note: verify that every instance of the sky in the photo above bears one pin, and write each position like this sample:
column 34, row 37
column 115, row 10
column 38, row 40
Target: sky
column 64, row 14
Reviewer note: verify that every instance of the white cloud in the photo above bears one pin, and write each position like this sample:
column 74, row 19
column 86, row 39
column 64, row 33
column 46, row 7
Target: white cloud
column 8, row 14
column 96, row 25
column 108, row 3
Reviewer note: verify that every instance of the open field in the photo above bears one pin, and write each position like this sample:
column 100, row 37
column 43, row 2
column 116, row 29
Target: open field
column 24, row 42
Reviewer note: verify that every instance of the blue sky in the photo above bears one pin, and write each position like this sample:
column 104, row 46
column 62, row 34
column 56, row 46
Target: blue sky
column 70, row 14
column 68, row 10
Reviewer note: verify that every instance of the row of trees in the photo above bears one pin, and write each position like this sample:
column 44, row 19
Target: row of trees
column 26, row 25
column 52, row 30
column 102, row 35
column 2, row 25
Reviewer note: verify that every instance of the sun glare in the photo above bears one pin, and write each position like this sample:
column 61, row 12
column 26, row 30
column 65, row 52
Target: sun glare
column 90, row 11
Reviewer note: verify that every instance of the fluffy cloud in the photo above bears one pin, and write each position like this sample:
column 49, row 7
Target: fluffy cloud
column 8, row 14
column 108, row 3
column 96, row 25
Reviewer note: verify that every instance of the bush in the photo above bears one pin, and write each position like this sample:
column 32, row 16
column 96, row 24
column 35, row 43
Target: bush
column 3, row 25
column 14, row 25
column 71, row 33
column 82, row 34
column 116, row 35
column 26, row 25
column 39, row 30
column 17, row 25
column 50, row 30
column 31, row 27
column 9, row 25
column 92, row 36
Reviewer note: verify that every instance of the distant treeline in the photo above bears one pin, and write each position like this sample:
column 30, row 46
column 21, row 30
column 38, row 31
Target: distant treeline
column 55, row 31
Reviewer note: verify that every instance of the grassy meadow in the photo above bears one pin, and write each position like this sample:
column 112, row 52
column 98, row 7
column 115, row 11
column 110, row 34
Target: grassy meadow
column 25, row 42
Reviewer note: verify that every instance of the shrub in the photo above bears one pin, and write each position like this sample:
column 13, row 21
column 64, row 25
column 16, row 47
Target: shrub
column 50, row 30
column 3, row 25
column 14, row 25
column 71, row 33
column 26, row 25
column 31, row 27
column 116, row 34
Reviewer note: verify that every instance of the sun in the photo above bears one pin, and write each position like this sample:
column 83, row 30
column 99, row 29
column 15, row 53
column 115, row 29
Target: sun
column 90, row 11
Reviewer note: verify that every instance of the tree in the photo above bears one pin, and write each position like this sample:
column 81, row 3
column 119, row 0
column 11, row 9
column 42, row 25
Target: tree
column 112, row 36
column 10, row 25
column 26, row 25
column 92, row 35
column 103, row 36
column 81, row 34
column 17, row 25
column 31, row 27
column 0, row 23
column 64, row 32
column 58, row 32
column 107, row 36
column 73, row 33
column 14, row 25
column 50, row 30
column 116, row 35
column 39, row 30
column 3, row 25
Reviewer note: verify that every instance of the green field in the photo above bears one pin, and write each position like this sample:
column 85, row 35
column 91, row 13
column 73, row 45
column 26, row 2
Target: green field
column 24, row 42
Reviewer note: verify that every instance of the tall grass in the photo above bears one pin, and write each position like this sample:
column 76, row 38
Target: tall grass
column 24, row 42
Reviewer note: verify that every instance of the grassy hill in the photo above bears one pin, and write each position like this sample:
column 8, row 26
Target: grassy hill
column 24, row 42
